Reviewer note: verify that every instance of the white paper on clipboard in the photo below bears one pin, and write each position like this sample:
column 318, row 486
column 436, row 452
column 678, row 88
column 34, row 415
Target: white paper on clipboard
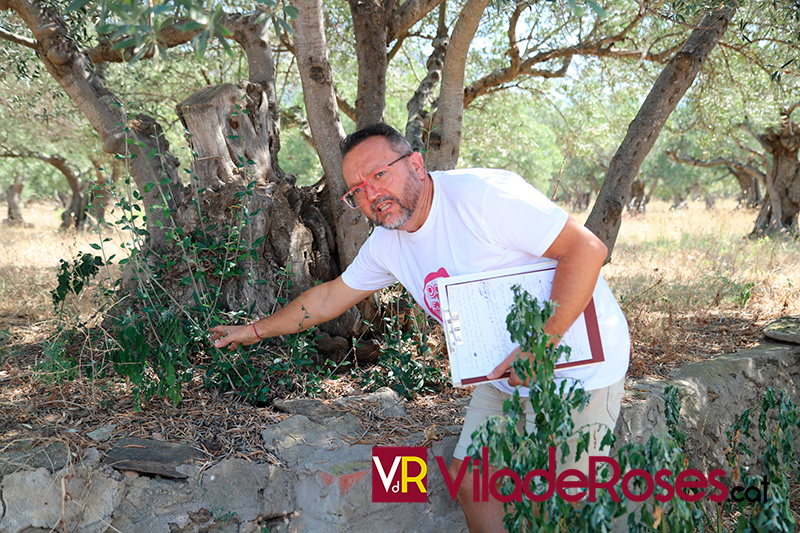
column 474, row 311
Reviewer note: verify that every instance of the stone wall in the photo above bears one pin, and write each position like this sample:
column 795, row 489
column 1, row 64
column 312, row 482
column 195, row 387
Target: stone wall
column 323, row 483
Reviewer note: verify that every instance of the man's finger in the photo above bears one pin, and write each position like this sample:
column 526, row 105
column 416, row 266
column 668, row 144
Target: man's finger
column 503, row 367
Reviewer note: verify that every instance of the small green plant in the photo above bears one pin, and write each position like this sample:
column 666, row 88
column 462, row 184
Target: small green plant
column 778, row 423
column 74, row 277
column 401, row 364
column 57, row 365
column 738, row 293
column 154, row 342
column 662, row 452
column 512, row 446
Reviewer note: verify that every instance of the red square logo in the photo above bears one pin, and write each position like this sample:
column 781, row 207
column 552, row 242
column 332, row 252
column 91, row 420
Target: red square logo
column 399, row 474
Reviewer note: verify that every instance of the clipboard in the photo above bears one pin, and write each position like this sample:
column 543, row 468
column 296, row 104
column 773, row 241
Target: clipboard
column 474, row 310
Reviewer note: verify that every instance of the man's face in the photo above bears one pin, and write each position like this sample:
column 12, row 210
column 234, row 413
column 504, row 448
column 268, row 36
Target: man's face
column 392, row 207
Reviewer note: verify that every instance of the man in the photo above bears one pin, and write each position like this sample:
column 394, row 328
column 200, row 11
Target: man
column 461, row 222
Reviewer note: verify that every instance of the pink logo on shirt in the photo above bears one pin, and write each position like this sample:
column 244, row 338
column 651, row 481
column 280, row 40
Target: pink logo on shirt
column 432, row 292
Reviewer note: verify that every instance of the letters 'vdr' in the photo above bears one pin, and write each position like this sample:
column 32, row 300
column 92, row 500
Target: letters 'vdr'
column 399, row 474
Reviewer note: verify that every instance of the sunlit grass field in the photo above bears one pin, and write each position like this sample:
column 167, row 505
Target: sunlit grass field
column 29, row 261
column 693, row 284
column 690, row 281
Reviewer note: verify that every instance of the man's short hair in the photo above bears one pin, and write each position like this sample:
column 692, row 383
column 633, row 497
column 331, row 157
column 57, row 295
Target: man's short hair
column 380, row 129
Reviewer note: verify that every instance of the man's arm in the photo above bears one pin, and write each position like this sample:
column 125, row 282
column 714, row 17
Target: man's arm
column 580, row 255
column 316, row 305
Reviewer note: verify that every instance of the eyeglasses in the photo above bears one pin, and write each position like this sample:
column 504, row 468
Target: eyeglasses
column 378, row 182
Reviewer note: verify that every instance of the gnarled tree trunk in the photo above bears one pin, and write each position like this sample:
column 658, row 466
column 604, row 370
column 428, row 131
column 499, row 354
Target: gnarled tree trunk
column 370, row 30
column 781, row 205
column 13, row 198
column 445, row 136
column 238, row 199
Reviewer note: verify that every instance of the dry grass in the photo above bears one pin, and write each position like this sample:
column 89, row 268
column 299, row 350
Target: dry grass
column 693, row 285
column 29, row 261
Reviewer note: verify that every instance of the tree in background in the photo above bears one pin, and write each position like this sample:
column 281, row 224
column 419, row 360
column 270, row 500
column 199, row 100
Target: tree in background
column 740, row 116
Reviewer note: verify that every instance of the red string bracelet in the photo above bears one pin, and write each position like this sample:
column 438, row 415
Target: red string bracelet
column 256, row 331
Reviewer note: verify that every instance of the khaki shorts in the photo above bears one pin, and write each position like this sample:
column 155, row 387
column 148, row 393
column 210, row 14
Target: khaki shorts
column 600, row 412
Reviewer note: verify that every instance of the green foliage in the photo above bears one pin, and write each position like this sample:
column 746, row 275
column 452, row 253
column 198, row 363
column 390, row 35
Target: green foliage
column 533, row 152
column 512, row 446
column 401, row 364
column 736, row 292
column 664, row 451
column 257, row 374
column 57, row 365
column 74, row 277
column 778, row 424
column 153, row 342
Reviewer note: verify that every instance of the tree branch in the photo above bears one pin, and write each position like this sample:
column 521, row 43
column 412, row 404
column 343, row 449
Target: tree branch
column 169, row 37
column 718, row 161
column 18, row 39
column 666, row 93
column 408, row 14
column 602, row 47
column 789, row 110
column 345, row 106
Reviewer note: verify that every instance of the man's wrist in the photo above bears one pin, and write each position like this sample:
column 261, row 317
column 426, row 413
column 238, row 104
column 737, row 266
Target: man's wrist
column 255, row 330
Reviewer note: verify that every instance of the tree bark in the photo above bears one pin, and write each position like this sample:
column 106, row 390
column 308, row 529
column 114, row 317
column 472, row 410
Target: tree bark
column 669, row 88
column 750, row 186
column 780, row 209
column 14, row 198
column 371, row 35
column 445, row 136
column 74, row 216
column 418, row 118
column 352, row 228
column 408, row 14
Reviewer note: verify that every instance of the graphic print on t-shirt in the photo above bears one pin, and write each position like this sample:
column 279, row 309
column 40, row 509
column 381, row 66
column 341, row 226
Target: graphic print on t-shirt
column 432, row 292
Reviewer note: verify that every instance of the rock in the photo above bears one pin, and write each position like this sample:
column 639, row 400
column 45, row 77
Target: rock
column 713, row 393
column 314, row 410
column 248, row 490
column 298, row 440
column 91, row 456
column 34, row 499
column 102, row 434
column 386, row 400
column 786, row 329
column 52, row 456
column 152, row 457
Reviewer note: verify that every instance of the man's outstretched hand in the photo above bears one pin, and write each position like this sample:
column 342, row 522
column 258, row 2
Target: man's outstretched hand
column 233, row 336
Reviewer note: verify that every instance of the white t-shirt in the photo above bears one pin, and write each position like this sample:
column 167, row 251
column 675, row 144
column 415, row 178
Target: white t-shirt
column 481, row 220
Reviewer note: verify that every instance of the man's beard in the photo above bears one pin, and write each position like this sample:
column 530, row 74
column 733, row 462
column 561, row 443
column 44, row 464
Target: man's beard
column 407, row 207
